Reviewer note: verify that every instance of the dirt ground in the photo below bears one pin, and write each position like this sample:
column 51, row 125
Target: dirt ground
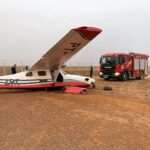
column 98, row 120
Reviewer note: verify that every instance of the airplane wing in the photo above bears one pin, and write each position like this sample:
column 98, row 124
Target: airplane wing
column 69, row 45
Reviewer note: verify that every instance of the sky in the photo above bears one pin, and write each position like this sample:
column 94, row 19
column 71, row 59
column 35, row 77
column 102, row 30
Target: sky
column 28, row 28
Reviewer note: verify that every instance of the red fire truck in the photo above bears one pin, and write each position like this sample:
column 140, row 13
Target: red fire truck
column 123, row 66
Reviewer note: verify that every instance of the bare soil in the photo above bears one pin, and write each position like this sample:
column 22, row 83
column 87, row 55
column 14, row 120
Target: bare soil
column 98, row 120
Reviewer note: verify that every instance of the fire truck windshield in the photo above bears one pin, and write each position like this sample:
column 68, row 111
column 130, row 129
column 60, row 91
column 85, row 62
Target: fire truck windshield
column 109, row 60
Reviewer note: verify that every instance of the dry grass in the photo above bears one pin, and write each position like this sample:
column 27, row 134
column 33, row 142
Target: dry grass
column 4, row 70
column 99, row 120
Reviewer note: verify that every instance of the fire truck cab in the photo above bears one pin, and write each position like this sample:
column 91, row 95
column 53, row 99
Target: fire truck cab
column 123, row 66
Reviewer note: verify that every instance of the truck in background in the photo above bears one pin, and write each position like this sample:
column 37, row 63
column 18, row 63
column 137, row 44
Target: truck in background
column 123, row 66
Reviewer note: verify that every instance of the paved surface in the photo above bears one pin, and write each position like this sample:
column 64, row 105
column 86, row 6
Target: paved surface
column 98, row 120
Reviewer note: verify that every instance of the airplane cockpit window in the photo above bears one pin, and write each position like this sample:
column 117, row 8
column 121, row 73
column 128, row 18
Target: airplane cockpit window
column 29, row 74
column 41, row 73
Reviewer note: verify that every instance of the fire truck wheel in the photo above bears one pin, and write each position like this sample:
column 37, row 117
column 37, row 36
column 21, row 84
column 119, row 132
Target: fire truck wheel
column 142, row 76
column 124, row 76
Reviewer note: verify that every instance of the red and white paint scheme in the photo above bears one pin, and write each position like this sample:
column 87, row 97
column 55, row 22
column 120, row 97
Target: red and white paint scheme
column 47, row 72
column 124, row 66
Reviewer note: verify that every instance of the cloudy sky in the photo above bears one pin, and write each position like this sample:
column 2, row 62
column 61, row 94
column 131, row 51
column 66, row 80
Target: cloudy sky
column 28, row 28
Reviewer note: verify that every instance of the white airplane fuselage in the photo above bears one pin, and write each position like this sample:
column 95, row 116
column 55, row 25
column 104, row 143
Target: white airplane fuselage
column 38, row 77
column 44, row 79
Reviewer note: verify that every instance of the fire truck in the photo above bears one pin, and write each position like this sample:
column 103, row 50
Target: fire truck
column 123, row 66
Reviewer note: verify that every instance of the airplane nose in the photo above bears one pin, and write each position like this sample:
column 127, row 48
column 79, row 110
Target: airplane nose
column 92, row 85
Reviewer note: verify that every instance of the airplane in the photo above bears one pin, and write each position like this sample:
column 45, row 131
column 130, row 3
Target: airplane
column 47, row 72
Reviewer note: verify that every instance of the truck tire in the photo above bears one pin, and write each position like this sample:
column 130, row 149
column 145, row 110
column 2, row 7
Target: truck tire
column 107, row 88
column 142, row 76
column 124, row 76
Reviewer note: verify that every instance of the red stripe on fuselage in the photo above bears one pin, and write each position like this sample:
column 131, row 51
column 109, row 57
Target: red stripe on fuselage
column 42, row 86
